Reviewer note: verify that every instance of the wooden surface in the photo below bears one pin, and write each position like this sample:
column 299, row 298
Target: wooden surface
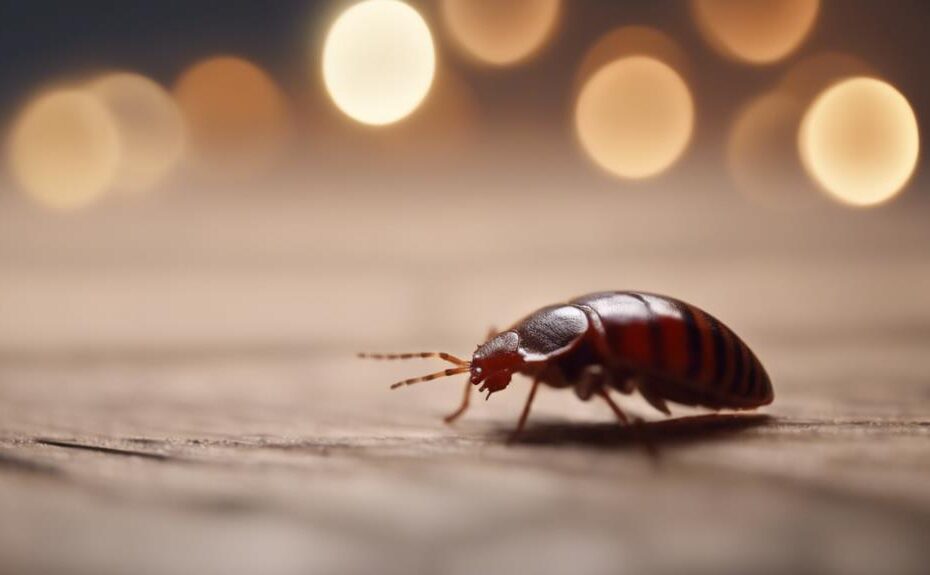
column 286, row 464
column 178, row 398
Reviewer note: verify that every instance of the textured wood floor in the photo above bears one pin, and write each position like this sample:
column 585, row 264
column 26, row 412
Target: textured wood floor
column 180, row 399
column 286, row 464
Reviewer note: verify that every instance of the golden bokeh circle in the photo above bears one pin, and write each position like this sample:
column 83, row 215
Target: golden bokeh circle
column 859, row 141
column 631, row 41
column 755, row 31
column 150, row 125
column 235, row 114
column 634, row 117
column 378, row 61
column 500, row 32
column 64, row 149
column 762, row 151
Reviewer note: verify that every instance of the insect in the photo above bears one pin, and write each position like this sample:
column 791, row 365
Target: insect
column 624, row 341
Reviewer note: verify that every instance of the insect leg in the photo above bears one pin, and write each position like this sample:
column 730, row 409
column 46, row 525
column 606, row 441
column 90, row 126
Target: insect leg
column 636, row 428
column 592, row 378
column 466, row 398
column 526, row 410
column 613, row 406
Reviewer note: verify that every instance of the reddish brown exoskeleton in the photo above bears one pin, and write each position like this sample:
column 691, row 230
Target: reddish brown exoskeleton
column 626, row 341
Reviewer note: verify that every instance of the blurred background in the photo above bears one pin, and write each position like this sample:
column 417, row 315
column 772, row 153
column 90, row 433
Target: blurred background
column 207, row 207
column 198, row 178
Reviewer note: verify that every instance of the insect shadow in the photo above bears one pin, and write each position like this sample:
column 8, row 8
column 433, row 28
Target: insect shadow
column 650, row 434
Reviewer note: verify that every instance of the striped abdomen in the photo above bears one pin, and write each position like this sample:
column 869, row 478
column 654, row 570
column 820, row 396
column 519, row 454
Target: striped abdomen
column 682, row 353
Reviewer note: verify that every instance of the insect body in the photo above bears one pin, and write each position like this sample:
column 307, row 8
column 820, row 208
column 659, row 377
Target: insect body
column 625, row 341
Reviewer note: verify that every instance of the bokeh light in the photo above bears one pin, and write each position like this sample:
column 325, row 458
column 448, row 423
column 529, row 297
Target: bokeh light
column 379, row 61
column 236, row 115
column 762, row 153
column 64, row 149
column 440, row 132
column 632, row 41
column 151, row 129
column 634, row 117
column 755, row 31
column 859, row 141
column 762, row 144
column 500, row 32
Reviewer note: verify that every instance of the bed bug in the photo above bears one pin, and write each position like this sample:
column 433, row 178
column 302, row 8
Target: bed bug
column 624, row 341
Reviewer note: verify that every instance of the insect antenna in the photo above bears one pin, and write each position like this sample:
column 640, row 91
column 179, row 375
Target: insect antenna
column 437, row 375
column 417, row 355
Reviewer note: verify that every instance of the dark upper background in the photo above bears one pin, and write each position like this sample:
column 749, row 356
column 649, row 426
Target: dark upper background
column 44, row 40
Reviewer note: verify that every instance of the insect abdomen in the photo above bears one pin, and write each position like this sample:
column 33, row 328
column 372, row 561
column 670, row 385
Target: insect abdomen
column 683, row 353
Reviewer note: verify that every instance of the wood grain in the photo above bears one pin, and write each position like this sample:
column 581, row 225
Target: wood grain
column 290, row 464
column 182, row 399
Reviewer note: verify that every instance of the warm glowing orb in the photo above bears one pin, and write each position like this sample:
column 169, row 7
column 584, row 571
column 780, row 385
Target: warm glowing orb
column 150, row 126
column 756, row 31
column 762, row 152
column 859, row 141
column 631, row 41
column 235, row 113
column 500, row 32
column 634, row 117
column 64, row 149
column 379, row 61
